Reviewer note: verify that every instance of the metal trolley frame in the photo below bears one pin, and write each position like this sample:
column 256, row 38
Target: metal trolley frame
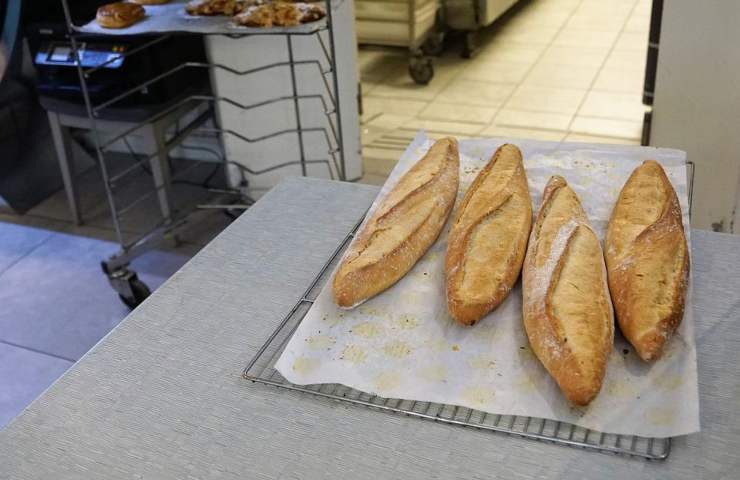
column 124, row 280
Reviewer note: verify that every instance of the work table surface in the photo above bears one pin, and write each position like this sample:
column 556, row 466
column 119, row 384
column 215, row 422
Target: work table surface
column 162, row 396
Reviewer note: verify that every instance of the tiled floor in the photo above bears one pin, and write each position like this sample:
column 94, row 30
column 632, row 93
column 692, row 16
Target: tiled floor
column 551, row 69
column 56, row 301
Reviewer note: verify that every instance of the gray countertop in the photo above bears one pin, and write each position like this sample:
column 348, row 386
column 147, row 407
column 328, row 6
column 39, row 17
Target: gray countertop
column 162, row 396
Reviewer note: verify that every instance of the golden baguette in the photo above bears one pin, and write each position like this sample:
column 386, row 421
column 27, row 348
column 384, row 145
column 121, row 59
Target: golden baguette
column 648, row 260
column 566, row 309
column 488, row 239
column 403, row 227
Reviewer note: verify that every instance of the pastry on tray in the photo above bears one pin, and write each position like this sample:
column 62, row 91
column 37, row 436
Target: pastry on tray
column 280, row 14
column 149, row 2
column 219, row 7
column 648, row 260
column 566, row 308
column 119, row 15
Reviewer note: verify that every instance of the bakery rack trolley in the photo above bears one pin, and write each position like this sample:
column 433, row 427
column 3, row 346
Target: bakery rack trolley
column 261, row 369
column 416, row 25
column 123, row 279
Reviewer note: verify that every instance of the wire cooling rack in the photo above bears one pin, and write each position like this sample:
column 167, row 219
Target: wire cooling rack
column 261, row 369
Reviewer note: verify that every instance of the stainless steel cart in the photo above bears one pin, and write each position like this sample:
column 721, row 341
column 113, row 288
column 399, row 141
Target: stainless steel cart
column 411, row 24
column 469, row 16
column 124, row 281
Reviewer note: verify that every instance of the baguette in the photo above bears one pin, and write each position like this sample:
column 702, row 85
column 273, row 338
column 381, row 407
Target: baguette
column 647, row 258
column 566, row 309
column 488, row 239
column 403, row 227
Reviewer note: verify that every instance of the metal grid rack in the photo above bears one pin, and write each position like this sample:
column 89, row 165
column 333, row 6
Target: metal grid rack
column 261, row 369
column 131, row 290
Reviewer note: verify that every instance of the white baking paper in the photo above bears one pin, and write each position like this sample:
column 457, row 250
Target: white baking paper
column 403, row 344
column 172, row 17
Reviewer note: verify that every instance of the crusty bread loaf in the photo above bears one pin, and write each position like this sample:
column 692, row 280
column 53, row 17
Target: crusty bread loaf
column 488, row 238
column 567, row 313
column 402, row 228
column 149, row 2
column 119, row 15
column 648, row 260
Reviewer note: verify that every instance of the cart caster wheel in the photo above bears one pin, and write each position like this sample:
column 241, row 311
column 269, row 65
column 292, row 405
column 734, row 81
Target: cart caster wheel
column 126, row 283
column 434, row 45
column 139, row 291
column 421, row 70
column 470, row 45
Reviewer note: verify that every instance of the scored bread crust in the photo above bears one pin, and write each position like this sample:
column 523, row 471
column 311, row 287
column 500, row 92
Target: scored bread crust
column 647, row 258
column 149, row 2
column 119, row 15
column 566, row 309
column 403, row 227
column 488, row 238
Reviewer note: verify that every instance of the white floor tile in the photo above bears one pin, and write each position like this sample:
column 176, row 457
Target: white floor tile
column 372, row 106
column 585, row 38
column 562, row 76
column 497, row 51
column 541, row 35
column 578, row 137
column 626, row 80
column 535, row 120
column 477, row 93
column 525, row 133
column 444, row 127
column 623, row 106
column 546, row 99
column 607, row 127
column 577, row 56
column 632, row 41
column 621, row 59
column 494, row 71
column 451, row 112
column 638, row 23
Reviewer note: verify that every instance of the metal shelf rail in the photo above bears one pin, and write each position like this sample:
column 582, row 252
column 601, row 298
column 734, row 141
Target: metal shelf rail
column 124, row 280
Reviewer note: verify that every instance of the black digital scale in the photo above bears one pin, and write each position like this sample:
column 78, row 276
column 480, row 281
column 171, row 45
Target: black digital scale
column 58, row 82
column 91, row 54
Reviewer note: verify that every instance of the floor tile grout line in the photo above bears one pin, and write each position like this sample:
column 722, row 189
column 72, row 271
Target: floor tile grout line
column 26, row 254
column 536, row 61
column 35, row 350
column 518, row 85
column 601, row 67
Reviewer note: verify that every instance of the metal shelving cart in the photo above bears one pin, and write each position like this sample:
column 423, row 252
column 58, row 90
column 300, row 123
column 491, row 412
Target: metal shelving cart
column 122, row 278
column 412, row 24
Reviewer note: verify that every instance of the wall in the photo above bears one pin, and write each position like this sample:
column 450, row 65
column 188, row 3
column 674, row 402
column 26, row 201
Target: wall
column 697, row 103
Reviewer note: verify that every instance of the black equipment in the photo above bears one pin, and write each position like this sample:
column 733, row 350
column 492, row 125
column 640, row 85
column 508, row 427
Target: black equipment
column 58, row 82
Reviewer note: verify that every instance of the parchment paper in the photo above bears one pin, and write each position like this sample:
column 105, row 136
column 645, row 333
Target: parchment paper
column 403, row 344
column 172, row 17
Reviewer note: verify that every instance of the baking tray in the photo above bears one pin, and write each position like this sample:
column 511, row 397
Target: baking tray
column 172, row 18
column 261, row 369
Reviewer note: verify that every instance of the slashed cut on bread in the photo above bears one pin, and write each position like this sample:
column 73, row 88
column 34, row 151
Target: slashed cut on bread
column 402, row 228
column 648, row 260
column 488, row 239
column 566, row 309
